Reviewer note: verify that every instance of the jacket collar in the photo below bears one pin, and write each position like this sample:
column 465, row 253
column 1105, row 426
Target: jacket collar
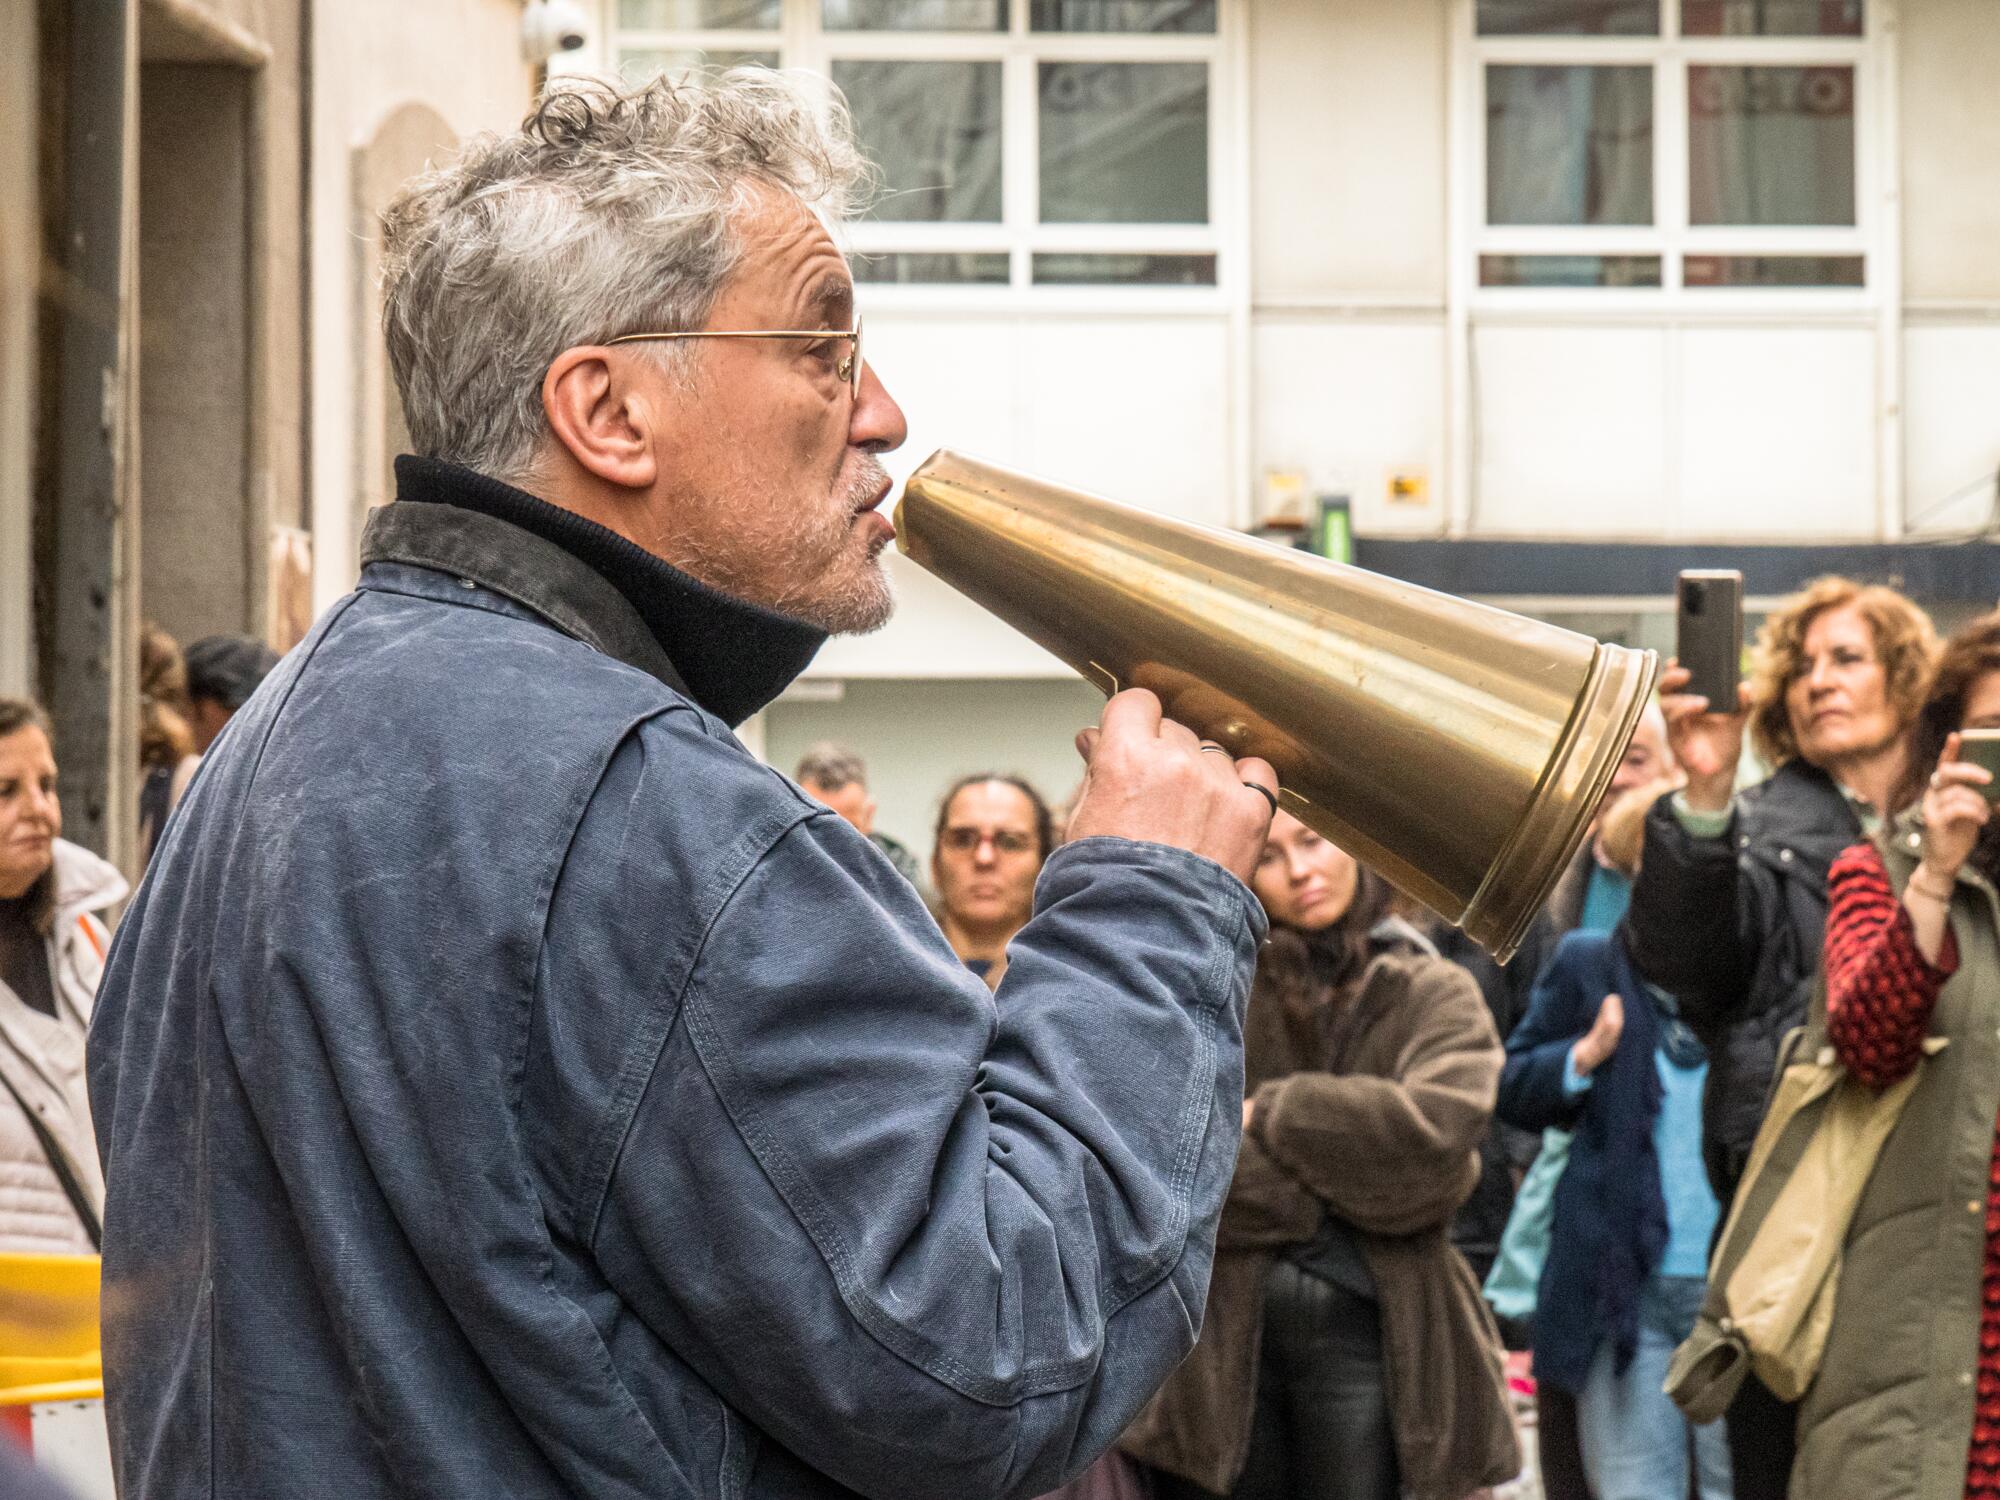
column 730, row 656
column 1800, row 809
column 84, row 883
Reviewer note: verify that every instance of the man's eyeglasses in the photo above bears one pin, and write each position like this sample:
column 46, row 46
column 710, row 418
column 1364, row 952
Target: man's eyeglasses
column 848, row 368
column 968, row 840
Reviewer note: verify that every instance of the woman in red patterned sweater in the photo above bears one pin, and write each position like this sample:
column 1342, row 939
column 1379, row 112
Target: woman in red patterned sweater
column 1903, row 931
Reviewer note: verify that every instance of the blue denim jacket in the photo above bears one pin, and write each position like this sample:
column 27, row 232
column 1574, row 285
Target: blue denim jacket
column 508, row 1087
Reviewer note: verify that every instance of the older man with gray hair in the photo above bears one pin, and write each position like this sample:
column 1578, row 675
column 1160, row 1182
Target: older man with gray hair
column 836, row 775
column 511, row 1088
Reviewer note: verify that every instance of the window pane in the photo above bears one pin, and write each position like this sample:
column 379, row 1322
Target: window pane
column 914, row 15
column 637, row 64
column 1771, row 17
column 1770, row 145
column 1772, row 270
column 982, row 268
column 934, row 130
column 1569, row 17
column 1569, row 270
column 699, row 15
column 1122, row 15
column 1569, row 145
column 1093, row 269
column 1124, row 143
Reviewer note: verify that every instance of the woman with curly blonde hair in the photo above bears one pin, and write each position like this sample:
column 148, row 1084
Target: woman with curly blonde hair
column 1729, row 909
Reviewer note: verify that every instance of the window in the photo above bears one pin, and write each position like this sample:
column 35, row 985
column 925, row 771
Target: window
column 1020, row 142
column 1682, row 145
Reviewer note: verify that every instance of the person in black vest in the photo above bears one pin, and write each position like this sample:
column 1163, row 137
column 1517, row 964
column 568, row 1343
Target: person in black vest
column 1728, row 913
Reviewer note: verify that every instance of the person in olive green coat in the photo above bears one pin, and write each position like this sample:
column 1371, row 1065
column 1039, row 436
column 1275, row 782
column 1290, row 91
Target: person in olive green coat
column 1906, row 1403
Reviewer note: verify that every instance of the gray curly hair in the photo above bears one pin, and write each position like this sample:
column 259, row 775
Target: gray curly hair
column 610, row 211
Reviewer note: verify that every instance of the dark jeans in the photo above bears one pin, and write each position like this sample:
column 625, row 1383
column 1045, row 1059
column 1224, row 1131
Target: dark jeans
column 1763, row 1440
column 1322, row 1418
column 1558, row 1446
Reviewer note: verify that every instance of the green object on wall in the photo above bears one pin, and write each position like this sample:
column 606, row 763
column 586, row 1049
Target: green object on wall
column 1333, row 529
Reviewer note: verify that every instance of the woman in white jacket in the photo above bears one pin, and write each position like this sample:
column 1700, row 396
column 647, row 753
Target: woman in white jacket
column 51, row 955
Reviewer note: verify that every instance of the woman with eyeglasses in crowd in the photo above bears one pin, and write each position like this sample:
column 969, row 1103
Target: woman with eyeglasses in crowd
column 993, row 835
column 1345, row 1349
column 1907, row 1400
column 1728, row 911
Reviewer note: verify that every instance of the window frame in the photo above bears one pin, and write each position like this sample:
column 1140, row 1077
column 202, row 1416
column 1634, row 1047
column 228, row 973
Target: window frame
column 800, row 41
column 1671, row 236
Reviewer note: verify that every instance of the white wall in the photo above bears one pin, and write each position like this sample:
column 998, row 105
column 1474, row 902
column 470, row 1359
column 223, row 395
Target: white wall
column 461, row 58
column 1950, row 57
column 1349, row 196
column 919, row 737
column 1130, row 407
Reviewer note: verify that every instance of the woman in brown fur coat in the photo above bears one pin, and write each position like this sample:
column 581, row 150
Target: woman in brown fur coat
column 1346, row 1351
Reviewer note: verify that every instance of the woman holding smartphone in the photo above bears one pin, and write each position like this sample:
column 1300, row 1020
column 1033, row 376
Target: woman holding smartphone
column 1909, row 1388
column 1729, row 909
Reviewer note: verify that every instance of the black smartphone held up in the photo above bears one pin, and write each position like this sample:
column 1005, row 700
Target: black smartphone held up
column 1709, row 642
column 1982, row 748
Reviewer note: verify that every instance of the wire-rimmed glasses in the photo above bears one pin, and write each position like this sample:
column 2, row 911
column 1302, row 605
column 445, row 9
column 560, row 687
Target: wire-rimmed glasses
column 848, row 369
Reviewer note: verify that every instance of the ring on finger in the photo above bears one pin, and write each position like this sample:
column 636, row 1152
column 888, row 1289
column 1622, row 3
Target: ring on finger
column 1267, row 794
column 1209, row 748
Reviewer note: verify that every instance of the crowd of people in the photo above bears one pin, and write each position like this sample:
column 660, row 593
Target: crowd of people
column 1393, row 1073
column 1575, row 1141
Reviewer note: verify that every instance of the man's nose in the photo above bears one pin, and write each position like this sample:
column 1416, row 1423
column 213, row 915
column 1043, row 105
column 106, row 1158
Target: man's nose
column 985, row 852
column 877, row 424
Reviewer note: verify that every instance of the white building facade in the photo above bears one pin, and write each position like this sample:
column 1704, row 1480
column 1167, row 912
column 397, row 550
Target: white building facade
column 1713, row 273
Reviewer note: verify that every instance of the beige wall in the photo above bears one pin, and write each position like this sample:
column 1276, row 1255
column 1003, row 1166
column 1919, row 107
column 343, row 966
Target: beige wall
column 222, row 351
column 198, row 529
column 386, row 74
column 1347, row 149
column 1950, row 66
column 19, row 250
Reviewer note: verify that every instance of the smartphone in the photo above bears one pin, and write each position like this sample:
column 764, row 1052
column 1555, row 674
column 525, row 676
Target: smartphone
column 1982, row 748
column 1709, row 641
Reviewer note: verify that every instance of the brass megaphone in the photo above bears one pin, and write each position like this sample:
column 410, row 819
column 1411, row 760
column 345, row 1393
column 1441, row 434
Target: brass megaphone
column 1457, row 749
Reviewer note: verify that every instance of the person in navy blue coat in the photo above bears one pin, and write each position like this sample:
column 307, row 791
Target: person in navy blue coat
column 1602, row 1053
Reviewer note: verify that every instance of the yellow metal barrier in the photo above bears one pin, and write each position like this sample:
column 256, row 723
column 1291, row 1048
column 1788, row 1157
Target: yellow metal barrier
column 49, row 1347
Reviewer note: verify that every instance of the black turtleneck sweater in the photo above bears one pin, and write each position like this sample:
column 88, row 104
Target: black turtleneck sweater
column 24, row 956
column 734, row 656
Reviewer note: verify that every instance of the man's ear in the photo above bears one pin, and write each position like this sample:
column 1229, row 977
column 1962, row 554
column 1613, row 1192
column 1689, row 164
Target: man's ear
column 601, row 413
column 867, row 824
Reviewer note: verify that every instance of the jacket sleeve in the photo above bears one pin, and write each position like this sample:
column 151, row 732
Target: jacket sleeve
column 1532, row 1092
column 1397, row 1154
column 1692, row 932
column 931, row 1239
column 1880, row 989
column 1267, row 1207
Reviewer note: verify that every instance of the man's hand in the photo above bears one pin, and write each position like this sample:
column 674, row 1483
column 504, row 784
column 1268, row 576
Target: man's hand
column 1706, row 743
column 1602, row 1039
column 1148, row 778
